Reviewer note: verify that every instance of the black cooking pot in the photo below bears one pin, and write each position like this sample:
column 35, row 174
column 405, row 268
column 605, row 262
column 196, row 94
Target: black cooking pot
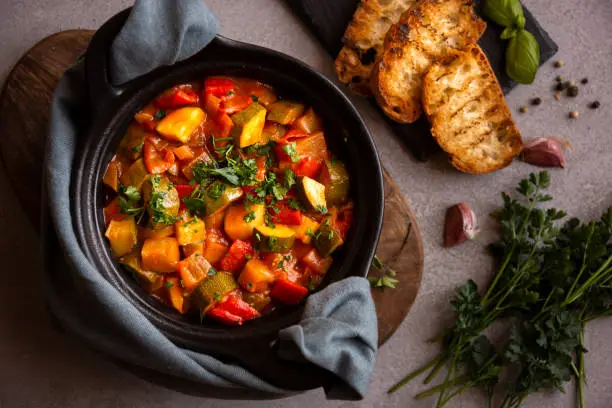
column 113, row 108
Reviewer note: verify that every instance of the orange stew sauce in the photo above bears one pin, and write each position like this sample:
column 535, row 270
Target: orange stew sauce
column 224, row 200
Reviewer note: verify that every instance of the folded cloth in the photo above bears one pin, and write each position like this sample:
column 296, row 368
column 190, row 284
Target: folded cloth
column 338, row 331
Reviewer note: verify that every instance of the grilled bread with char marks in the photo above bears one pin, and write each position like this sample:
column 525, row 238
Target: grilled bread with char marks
column 468, row 113
column 363, row 41
column 424, row 35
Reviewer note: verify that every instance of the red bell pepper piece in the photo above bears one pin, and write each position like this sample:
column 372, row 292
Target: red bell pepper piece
column 113, row 212
column 236, row 256
column 212, row 105
column 156, row 161
column 308, row 167
column 293, row 134
column 285, row 215
column 235, row 103
column 238, row 307
column 288, row 292
column 224, row 316
column 176, row 97
column 218, row 87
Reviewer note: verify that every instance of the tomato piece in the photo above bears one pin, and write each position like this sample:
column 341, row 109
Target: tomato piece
column 293, row 134
column 224, row 123
column 288, row 292
column 223, row 316
column 238, row 307
column 183, row 152
column 235, row 103
column 176, row 97
column 236, row 256
column 113, row 212
column 218, row 86
column 285, row 215
column 156, row 161
column 308, row 167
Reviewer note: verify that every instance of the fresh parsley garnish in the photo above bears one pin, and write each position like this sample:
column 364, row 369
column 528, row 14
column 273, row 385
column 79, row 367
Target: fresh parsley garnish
column 322, row 209
column 385, row 277
column 289, row 148
column 160, row 114
column 249, row 217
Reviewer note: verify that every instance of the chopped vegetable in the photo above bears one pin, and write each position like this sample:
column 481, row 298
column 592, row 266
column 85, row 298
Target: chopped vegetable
column 213, row 289
column 327, row 239
column 277, row 239
column 133, row 141
column 309, row 122
column 336, row 180
column 183, row 152
column 240, row 221
column 162, row 201
column 305, row 230
column 218, row 87
column 255, row 276
column 157, row 162
column 190, row 230
column 282, row 213
column 235, row 103
column 193, row 270
column 175, row 294
column 288, row 292
column 194, row 248
column 248, row 125
column 178, row 125
column 312, row 194
column 150, row 280
column 236, row 257
column 316, row 262
column 111, row 177
column 160, row 254
column 216, row 246
column 308, row 167
column 285, row 112
column 135, row 175
column 313, row 146
column 219, row 196
column 122, row 236
column 162, row 232
column 176, row 97
column 273, row 131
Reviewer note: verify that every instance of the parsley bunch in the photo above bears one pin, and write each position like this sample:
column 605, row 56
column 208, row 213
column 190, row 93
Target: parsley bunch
column 551, row 281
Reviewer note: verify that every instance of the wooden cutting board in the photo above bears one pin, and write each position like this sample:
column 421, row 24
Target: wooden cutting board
column 24, row 116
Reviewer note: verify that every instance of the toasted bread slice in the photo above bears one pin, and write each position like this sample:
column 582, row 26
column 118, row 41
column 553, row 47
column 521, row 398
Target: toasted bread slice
column 423, row 35
column 468, row 113
column 363, row 41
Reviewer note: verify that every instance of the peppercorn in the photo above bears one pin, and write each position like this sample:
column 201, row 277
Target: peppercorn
column 594, row 105
column 536, row 101
column 584, row 81
column 559, row 78
column 574, row 115
column 559, row 63
column 523, row 109
column 558, row 96
column 560, row 86
column 572, row 91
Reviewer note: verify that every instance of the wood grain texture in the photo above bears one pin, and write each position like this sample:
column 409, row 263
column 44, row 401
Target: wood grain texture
column 24, row 116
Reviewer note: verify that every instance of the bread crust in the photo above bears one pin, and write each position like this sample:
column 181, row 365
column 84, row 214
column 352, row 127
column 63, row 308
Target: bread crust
column 363, row 41
column 469, row 115
column 424, row 35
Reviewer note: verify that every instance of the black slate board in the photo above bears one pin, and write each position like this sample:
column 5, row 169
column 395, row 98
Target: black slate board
column 328, row 19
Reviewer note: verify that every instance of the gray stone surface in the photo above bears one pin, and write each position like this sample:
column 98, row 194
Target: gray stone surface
column 42, row 368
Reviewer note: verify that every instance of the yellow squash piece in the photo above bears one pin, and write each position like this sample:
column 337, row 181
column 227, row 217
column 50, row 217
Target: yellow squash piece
column 305, row 230
column 248, row 125
column 312, row 194
column 277, row 239
column 135, row 175
column 122, row 236
column 255, row 276
column 285, row 112
column 150, row 281
column 133, row 141
column 190, row 230
column 179, row 124
column 237, row 227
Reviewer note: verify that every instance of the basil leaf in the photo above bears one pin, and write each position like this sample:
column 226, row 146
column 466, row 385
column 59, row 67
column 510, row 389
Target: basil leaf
column 505, row 12
column 523, row 57
column 509, row 32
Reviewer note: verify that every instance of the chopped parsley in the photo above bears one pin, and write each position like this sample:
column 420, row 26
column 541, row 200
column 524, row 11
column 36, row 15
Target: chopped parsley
column 249, row 217
column 255, row 98
column 157, row 202
column 289, row 178
column 138, row 147
column 289, row 148
column 130, row 192
column 216, row 190
column 160, row 114
column 294, row 204
column 322, row 209
column 168, row 285
column 211, row 272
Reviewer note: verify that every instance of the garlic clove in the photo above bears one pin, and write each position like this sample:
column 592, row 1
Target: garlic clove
column 545, row 151
column 461, row 225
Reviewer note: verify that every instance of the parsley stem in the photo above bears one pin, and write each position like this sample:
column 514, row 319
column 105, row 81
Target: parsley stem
column 449, row 374
column 431, row 391
column 436, row 369
column 580, row 377
column 602, row 272
column 532, row 204
column 415, row 373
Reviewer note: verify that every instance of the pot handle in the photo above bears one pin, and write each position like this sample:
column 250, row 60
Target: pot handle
column 101, row 91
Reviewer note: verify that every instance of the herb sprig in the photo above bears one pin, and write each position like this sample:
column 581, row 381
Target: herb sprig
column 551, row 280
column 385, row 278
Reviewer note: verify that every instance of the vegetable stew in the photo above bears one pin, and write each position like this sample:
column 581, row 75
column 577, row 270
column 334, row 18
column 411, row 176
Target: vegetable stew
column 223, row 199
